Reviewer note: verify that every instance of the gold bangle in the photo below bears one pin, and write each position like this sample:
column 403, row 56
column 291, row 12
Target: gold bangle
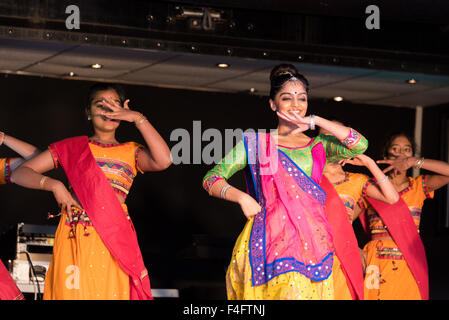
column 141, row 120
column 43, row 181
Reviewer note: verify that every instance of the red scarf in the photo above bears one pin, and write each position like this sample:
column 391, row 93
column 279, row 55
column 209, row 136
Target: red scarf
column 105, row 211
column 399, row 222
column 8, row 288
column 345, row 241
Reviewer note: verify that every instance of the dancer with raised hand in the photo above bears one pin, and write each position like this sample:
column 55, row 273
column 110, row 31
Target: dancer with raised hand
column 96, row 254
column 8, row 288
column 285, row 250
column 344, row 202
column 396, row 260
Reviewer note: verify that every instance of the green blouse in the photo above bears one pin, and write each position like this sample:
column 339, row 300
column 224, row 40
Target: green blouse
column 336, row 150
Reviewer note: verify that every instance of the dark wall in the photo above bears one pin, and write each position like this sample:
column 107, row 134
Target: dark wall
column 186, row 237
column 434, row 233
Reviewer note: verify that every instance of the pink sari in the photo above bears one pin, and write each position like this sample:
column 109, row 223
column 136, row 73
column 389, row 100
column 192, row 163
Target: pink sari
column 8, row 288
column 105, row 211
column 291, row 233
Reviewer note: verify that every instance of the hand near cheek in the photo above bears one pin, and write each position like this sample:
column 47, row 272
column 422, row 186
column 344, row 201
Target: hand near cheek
column 398, row 164
column 119, row 113
column 303, row 123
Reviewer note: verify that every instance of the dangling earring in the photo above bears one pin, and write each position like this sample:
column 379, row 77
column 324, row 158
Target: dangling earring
column 89, row 117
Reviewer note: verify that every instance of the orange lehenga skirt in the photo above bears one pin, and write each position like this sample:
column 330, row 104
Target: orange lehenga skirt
column 388, row 276
column 82, row 268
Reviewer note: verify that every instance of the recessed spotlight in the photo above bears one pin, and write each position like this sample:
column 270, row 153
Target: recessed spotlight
column 412, row 81
column 223, row 65
column 252, row 90
column 338, row 99
column 96, row 66
column 71, row 74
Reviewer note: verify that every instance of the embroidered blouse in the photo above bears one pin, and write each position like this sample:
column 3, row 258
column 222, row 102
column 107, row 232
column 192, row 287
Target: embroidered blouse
column 336, row 150
column 5, row 170
column 351, row 190
column 119, row 163
column 414, row 196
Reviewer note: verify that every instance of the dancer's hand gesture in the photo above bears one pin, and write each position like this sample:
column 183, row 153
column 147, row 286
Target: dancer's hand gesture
column 398, row 164
column 303, row 123
column 117, row 112
column 360, row 160
column 65, row 200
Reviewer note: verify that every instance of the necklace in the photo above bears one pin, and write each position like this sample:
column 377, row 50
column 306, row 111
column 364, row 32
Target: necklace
column 104, row 144
column 346, row 178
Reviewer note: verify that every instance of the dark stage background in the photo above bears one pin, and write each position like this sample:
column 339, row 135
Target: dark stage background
column 186, row 236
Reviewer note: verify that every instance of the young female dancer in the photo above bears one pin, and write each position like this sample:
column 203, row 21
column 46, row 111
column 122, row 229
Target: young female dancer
column 96, row 254
column 285, row 250
column 396, row 260
column 350, row 261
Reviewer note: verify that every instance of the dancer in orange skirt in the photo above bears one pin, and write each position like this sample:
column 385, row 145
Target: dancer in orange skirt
column 396, row 261
column 96, row 254
column 8, row 288
column 349, row 262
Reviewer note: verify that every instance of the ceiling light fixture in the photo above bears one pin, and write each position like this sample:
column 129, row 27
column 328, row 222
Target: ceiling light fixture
column 223, row 65
column 96, row 66
column 412, row 81
column 338, row 99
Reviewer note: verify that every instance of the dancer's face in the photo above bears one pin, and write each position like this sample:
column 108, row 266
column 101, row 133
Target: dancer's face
column 292, row 98
column 101, row 122
column 400, row 147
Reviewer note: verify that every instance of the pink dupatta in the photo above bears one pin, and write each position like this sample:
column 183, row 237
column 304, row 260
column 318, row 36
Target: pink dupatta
column 398, row 219
column 291, row 233
column 105, row 211
column 8, row 288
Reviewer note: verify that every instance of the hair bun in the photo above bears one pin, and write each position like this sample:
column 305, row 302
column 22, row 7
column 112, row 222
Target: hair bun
column 283, row 69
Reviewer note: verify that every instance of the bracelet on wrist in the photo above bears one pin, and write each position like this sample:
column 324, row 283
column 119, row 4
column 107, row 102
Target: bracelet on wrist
column 419, row 163
column 223, row 191
column 385, row 178
column 141, row 120
column 312, row 122
column 42, row 182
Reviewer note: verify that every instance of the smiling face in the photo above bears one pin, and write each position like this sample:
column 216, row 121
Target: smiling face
column 400, row 147
column 292, row 98
column 101, row 122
